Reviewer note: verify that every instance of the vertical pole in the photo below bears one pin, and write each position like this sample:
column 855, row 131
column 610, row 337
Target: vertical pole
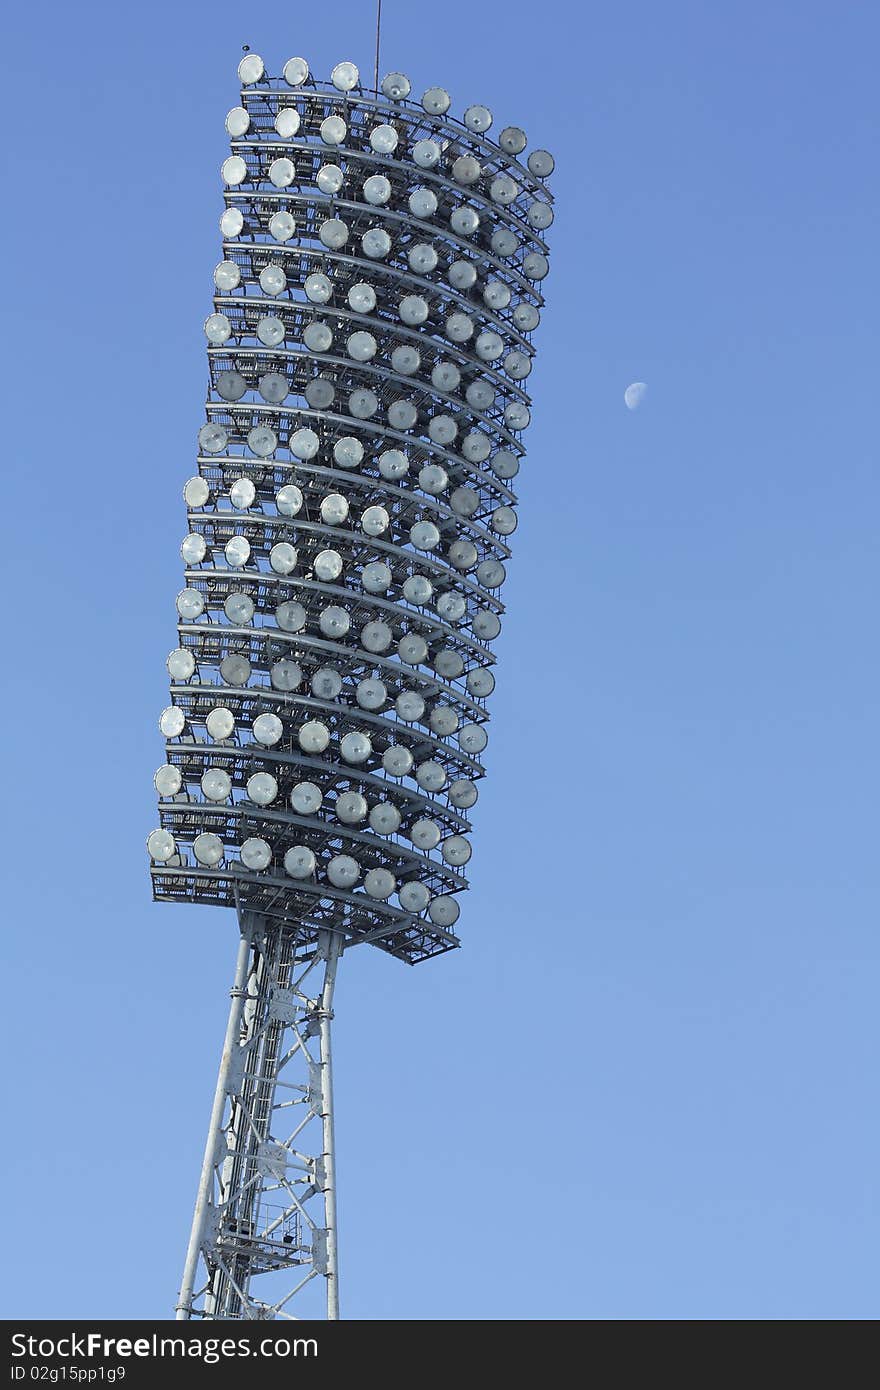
column 333, row 949
column 378, row 30
column 206, row 1181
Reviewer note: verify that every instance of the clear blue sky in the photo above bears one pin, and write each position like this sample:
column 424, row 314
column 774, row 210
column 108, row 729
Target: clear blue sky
column 645, row 1088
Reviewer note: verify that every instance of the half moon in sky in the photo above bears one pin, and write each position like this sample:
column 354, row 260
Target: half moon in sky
column 634, row 395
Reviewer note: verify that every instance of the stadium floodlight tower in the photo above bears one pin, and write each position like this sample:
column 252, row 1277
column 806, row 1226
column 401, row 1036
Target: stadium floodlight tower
column 347, row 541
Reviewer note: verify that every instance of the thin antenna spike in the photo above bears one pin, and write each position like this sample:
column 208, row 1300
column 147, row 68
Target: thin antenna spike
column 378, row 34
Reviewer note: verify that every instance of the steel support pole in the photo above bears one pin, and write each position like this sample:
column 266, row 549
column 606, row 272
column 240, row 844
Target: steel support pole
column 265, row 1222
column 238, row 994
column 333, row 949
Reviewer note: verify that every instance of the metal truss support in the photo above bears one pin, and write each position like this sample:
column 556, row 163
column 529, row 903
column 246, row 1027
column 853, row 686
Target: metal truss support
column 264, row 1227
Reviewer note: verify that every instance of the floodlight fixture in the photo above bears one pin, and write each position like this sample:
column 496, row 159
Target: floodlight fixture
column 346, row 545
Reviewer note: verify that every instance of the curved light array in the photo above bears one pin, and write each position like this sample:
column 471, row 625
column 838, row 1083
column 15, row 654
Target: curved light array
column 349, row 524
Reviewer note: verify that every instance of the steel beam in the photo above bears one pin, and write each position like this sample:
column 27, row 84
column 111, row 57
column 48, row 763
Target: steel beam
column 265, row 1226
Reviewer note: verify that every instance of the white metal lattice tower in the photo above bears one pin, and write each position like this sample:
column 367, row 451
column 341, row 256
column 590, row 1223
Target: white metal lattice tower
column 370, row 338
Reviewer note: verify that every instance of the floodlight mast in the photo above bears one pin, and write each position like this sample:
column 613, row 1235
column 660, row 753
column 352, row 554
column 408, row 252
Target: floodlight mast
column 348, row 528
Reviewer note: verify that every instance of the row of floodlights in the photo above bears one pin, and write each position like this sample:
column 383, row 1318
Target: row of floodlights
column 412, row 310
column 377, row 244
column 422, row 202
column 284, row 557
column 314, row 736
column 371, row 694
column 350, row 808
column 301, row 863
column 396, row 86
column 466, row 170
column 335, row 623
column 355, row 748
column 384, row 139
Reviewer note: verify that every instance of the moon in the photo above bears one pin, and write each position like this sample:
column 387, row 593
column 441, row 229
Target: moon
column 634, row 395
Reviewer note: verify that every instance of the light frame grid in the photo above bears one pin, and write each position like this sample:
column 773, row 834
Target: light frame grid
column 377, row 373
